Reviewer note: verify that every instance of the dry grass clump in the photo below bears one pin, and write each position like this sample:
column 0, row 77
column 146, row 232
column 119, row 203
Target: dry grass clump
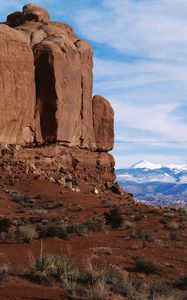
column 147, row 266
column 174, row 226
column 128, row 225
column 28, row 233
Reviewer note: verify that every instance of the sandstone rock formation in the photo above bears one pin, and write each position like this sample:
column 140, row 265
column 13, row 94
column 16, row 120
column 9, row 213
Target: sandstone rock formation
column 46, row 86
column 17, row 88
column 103, row 116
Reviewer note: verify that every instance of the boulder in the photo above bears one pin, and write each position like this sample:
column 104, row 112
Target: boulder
column 103, row 118
column 31, row 13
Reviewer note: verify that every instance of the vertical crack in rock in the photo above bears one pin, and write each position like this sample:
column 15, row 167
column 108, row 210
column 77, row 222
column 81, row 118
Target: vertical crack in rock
column 82, row 98
column 46, row 94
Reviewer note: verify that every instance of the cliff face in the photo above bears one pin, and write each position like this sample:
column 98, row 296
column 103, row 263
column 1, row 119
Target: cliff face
column 46, row 86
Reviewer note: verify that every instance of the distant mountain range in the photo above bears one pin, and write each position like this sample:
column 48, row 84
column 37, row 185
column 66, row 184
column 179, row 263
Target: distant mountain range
column 161, row 184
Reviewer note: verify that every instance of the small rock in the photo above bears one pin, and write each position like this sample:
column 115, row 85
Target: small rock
column 76, row 189
column 51, row 179
column 95, row 191
column 32, row 166
column 69, row 185
column 62, row 181
column 18, row 147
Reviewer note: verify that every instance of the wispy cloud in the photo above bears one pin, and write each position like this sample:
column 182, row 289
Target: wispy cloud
column 140, row 66
column 155, row 29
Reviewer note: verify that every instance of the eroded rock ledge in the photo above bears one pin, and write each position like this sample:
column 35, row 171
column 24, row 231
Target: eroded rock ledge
column 46, row 92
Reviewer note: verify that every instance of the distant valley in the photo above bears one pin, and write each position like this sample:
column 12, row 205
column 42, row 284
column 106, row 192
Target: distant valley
column 160, row 184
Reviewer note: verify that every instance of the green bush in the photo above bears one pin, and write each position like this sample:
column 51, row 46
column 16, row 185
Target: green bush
column 181, row 282
column 60, row 232
column 114, row 218
column 42, row 268
column 5, row 224
column 147, row 266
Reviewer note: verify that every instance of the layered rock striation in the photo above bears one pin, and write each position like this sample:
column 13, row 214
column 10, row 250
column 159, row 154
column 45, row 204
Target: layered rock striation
column 46, row 86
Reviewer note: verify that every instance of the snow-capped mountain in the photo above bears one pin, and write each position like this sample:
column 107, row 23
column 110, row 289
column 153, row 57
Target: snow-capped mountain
column 145, row 171
column 158, row 183
column 143, row 164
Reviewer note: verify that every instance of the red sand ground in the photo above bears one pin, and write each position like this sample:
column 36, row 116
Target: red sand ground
column 103, row 248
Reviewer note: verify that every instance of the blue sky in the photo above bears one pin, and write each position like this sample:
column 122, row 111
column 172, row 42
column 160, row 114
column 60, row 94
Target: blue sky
column 140, row 66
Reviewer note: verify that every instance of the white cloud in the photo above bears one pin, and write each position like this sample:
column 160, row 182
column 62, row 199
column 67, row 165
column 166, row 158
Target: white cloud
column 157, row 118
column 155, row 29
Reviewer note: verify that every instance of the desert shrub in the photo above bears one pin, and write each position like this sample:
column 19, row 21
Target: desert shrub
column 118, row 283
column 181, row 218
column 172, row 226
column 27, row 233
column 128, row 225
column 89, row 274
column 138, row 209
column 159, row 243
column 155, row 210
column 21, row 198
column 115, row 280
column 24, row 200
column 174, row 235
column 4, row 272
column 147, row 266
column 141, row 233
column 113, row 218
column 107, row 203
column 5, row 224
column 99, row 291
column 159, row 288
column 49, row 268
column 181, row 282
column 79, row 229
column 63, row 267
column 7, row 235
column 127, row 212
column 75, row 291
column 96, row 291
column 95, row 226
column 145, row 235
column 138, row 217
column 60, row 232
column 174, row 295
column 169, row 215
column 42, row 268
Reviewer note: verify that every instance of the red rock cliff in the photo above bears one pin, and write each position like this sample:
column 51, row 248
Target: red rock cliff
column 46, row 85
